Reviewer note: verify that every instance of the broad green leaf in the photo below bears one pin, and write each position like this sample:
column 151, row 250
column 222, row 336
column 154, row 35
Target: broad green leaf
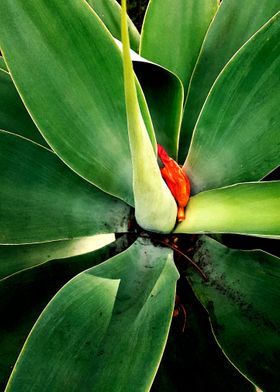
column 97, row 324
column 249, row 208
column 192, row 360
column 237, row 135
column 68, row 70
column 155, row 207
column 42, row 200
column 242, row 296
column 109, row 12
column 164, row 94
column 14, row 258
column 24, row 295
column 235, row 22
column 13, row 115
column 173, row 33
column 3, row 66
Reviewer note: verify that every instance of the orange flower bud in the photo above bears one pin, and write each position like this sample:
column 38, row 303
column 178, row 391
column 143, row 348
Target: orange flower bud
column 176, row 180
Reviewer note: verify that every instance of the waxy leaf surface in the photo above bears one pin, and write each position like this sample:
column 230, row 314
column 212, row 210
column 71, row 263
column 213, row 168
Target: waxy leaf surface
column 237, row 136
column 249, row 208
column 242, row 297
column 68, row 71
column 42, row 200
column 235, row 22
column 173, row 33
column 97, row 324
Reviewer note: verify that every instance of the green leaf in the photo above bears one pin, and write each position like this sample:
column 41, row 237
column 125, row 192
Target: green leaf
column 16, row 258
column 164, row 94
column 155, row 207
column 53, row 202
column 112, row 311
column 109, row 12
column 173, row 33
column 3, row 65
column 68, row 70
column 24, row 296
column 237, row 135
column 249, row 208
column 13, row 115
column 192, row 360
column 235, row 22
column 242, row 297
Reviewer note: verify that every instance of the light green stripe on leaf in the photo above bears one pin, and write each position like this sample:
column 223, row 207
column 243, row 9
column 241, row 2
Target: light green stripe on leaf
column 42, row 200
column 235, row 22
column 237, row 136
column 155, row 208
column 249, row 208
column 109, row 12
column 242, row 296
column 16, row 258
column 83, row 327
column 173, row 33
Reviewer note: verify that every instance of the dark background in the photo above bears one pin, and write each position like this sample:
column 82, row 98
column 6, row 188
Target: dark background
column 136, row 11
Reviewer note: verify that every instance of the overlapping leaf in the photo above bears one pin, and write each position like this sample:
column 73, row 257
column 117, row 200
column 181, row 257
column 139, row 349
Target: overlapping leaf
column 242, row 297
column 71, row 81
column 13, row 115
column 17, row 258
column 192, row 359
column 164, row 94
column 155, row 207
column 109, row 12
column 173, row 33
column 3, row 64
column 83, row 327
column 237, row 136
column 25, row 294
column 43, row 200
column 75, row 96
column 235, row 22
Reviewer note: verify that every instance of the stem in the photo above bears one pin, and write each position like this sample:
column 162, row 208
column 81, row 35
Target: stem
column 186, row 257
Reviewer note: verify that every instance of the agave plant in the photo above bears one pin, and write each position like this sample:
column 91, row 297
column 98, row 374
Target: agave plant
column 78, row 156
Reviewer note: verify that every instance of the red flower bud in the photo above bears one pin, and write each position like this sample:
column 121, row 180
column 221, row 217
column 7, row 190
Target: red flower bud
column 176, row 180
